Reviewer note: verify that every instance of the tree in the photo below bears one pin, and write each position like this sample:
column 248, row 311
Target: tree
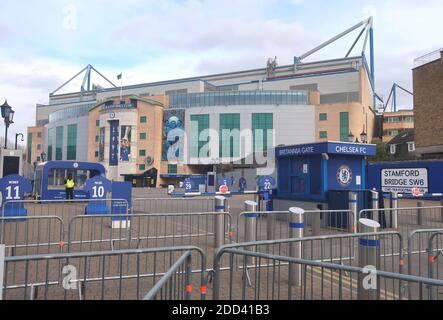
column 382, row 153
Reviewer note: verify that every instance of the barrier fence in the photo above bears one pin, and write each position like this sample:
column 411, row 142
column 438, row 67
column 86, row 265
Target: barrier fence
column 119, row 274
column 173, row 205
column 317, row 280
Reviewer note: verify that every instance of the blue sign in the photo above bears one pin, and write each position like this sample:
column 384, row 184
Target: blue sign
column 266, row 183
column 328, row 147
column 188, row 185
column 123, row 191
column 97, row 189
column 113, row 143
column 13, row 189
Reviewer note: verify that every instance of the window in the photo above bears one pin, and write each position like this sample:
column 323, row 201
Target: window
column 29, row 147
column 97, row 138
column 323, row 116
column 96, row 154
column 344, row 126
column 323, row 134
column 229, row 135
column 72, row 142
column 39, row 146
column 59, row 143
column 141, row 167
column 39, row 134
column 392, row 148
column 97, row 123
column 172, row 168
column 49, row 153
column 411, row 146
column 142, row 135
column 262, row 126
column 199, row 123
column 38, row 158
column 143, row 119
column 142, row 153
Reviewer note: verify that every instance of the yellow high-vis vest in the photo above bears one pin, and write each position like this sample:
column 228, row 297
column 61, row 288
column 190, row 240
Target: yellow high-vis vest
column 69, row 183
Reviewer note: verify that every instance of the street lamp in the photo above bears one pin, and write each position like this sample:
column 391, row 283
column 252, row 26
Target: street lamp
column 16, row 137
column 350, row 137
column 43, row 157
column 363, row 137
column 8, row 115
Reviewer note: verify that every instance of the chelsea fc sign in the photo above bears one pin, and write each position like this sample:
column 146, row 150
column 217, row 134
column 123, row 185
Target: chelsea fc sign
column 344, row 175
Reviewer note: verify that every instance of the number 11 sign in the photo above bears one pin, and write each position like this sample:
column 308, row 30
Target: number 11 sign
column 13, row 189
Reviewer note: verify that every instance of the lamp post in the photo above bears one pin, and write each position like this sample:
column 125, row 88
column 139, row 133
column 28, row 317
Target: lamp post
column 16, row 137
column 43, row 157
column 364, row 137
column 350, row 137
column 8, row 116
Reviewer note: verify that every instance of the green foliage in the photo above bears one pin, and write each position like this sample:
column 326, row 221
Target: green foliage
column 383, row 153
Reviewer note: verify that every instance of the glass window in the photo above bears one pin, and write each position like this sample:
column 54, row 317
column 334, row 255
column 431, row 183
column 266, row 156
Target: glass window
column 229, row 133
column 392, row 148
column 96, row 154
column 97, row 138
column 97, row 123
column 38, row 158
column 71, row 153
column 39, row 134
column 142, row 153
column 262, row 130
column 143, row 119
column 323, row 116
column 323, row 134
column 59, row 143
column 199, row 139
column 49, row 153
column 141, row 167
column 344, row 126
column 172, row 168
column 30, row 147
column 39, row 146
column 411, row 146
column 142, row 135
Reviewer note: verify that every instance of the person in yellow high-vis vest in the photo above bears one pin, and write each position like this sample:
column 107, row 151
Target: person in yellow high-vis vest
column 69, row 187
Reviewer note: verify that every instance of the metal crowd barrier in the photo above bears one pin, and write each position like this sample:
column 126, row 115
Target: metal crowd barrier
column 269, row 225
column 176, row 283
column 312, row 279
column 118, row 274
column 172, row 205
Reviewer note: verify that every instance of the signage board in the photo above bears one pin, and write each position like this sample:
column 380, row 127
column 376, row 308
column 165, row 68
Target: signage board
column 404, row 180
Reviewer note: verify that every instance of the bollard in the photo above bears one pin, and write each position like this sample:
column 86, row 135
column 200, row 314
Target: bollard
column 219, row 230
column 368, row 259
column 251, row 225
column 374, row 200
column 353, row 207
column 441, row 211
column 394, row 212
column 316, row 222
column 296, row 225
column 420, row 212
column 270, row 234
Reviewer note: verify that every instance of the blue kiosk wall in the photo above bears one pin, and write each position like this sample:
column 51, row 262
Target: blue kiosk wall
column 320, row 174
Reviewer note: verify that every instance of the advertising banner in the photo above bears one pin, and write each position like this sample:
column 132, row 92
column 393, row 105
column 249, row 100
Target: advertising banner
column 173, row 135
column 101, row 147
column 125, row 143
column 113, row 143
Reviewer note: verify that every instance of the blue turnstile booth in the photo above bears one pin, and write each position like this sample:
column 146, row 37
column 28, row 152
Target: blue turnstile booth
column 320, row 175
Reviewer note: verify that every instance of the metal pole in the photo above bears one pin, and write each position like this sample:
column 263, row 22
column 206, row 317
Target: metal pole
column 368, row 259
column 188, row 276
column 374, row 195
column 251, row 224
column 219, row 235
column 2, row 268
column 270, row 232
column 353, row 208
column 394, row 214
column 420, row 212
column 441, row 211
column 296, row 226
column 6, row 134
column 316, row 222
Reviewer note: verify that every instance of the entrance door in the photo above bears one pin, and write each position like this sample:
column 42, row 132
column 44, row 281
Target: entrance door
column 10, row 165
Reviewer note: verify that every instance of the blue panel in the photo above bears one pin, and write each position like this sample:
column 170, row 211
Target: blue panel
column 113, row 143
column 342, row 172
column 121, row 190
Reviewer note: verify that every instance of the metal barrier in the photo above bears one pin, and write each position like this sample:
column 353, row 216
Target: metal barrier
column 119, row 274
column 270, row 225
column 173, row 205
column 176, row 283
column 435, row 262
column 339, row 249
column 65, row 209
column 319, row 280
column 32, row 235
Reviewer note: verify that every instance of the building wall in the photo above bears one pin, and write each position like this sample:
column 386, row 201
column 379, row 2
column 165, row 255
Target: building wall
column 36, row 141
column 428, row 107
column 396, row 126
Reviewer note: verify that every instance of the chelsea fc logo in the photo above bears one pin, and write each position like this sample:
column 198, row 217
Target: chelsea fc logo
column 344, row 176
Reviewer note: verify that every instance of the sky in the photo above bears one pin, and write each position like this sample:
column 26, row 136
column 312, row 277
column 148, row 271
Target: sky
column 43, row 43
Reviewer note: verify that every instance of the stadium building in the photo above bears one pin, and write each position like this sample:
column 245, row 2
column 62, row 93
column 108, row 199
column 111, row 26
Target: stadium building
column 156, row 133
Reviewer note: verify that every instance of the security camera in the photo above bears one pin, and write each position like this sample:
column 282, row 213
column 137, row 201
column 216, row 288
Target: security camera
column 325, row 156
